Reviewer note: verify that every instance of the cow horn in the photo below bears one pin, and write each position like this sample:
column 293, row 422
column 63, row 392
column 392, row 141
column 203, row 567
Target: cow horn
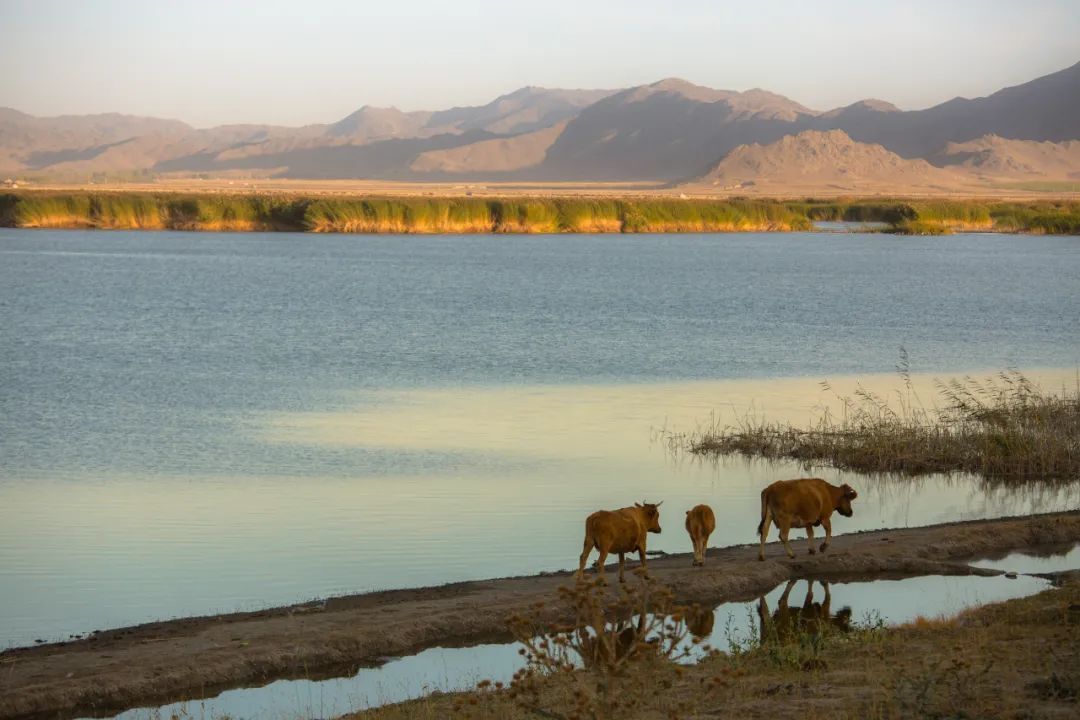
column 659, row 503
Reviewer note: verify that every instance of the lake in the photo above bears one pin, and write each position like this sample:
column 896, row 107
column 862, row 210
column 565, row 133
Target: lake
column 197, row 423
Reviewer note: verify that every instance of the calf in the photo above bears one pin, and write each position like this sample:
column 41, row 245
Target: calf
column 803, row 503
column 619, row 531
column 700, row 522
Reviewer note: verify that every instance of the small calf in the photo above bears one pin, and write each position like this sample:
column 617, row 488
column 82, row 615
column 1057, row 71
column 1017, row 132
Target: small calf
column 700, row 522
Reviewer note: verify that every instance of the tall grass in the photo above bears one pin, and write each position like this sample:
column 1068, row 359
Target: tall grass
column 1003, row 428
column 45, row 211
column 517, row 215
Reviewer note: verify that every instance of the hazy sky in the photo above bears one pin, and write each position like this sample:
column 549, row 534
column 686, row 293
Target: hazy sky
column 293, row 62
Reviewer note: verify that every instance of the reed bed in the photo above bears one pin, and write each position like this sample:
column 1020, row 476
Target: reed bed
column 156, row 211
column 1003, row 428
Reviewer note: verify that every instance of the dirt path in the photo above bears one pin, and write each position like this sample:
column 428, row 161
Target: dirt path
column 198, row 657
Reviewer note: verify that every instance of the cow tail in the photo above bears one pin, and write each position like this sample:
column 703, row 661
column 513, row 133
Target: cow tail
column 764, row 509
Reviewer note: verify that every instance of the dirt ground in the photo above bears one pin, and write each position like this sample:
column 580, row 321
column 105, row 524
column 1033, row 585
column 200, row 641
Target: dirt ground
column 198, row 657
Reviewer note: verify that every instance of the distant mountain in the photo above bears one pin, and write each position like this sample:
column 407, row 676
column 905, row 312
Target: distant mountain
column 487, row 157
column 1047, row 108
column 32, row 143
column 822, row 159
column 667, row 131
column 998, row 156
column 372, row 123
column 522, row 111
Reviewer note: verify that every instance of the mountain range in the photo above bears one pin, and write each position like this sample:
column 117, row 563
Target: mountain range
column 670, row 131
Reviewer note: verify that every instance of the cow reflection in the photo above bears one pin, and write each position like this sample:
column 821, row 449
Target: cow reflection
column 699, row 622
column 630, row 638
column 617, row 642
column 813, row 618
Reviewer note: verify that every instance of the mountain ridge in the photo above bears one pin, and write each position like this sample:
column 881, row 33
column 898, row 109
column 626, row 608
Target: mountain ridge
column 670, row 130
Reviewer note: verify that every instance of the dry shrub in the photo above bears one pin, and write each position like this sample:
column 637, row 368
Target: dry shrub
column 1004, row 428
column 617, row 655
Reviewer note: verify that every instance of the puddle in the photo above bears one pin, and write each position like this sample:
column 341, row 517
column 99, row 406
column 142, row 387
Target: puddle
column 1054, row 559
column 435, row 669
column 892, row 602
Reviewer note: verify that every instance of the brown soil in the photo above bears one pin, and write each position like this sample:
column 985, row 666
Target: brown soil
column 198, row 657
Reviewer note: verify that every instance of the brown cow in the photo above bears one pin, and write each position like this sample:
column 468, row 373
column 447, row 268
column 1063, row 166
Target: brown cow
column 619, row 531
column 803, row 503
column 700, row 522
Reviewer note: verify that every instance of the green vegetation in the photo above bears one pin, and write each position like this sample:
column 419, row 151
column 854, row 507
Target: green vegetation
column 1004, row 429
column 151, row 211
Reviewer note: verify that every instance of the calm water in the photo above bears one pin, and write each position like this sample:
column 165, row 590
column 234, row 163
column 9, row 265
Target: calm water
column 192, row 423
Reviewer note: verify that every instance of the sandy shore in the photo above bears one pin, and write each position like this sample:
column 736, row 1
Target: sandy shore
column 198, row 657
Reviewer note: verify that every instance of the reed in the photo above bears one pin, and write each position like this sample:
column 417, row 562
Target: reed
column 373, row 214
column 1004, row 428
column 51, row 211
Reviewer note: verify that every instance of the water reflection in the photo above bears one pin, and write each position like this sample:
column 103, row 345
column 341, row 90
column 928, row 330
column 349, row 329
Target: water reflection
column 811, row 618
column 730, row 625
column 1039, row 560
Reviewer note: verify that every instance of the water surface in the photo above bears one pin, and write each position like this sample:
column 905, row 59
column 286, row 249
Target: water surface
column 198, row 423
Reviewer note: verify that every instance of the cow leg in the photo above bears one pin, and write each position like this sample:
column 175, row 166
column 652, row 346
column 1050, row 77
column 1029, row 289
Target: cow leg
column 764, row 618
column 584, row 557
column 764, row 533
column 699, row 551
column 826, row 523
column 783, row 601
column 600, row 562
column 810, row 538
column 784, row 530
column 622, row 566
column 644, row 565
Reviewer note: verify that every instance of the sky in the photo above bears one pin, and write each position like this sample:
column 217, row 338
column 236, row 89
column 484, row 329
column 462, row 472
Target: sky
column 210, row 62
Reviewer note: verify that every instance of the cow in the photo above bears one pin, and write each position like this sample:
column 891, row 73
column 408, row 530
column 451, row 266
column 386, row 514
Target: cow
column 700, row 522
column 619, row 531
column 803, row 503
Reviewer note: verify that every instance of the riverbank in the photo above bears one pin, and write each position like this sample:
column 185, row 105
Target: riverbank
column 197, row 657
column 248, row 212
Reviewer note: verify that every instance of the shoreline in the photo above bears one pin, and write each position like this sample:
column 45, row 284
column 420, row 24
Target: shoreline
column 187, row 658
